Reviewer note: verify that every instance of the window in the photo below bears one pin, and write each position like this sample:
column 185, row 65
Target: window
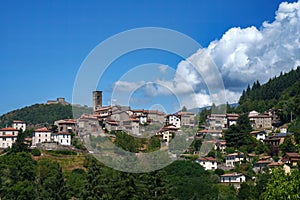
column 46, row 135
column 61, row 141
column 3, row 133
column 4, row 139
column 13, row 133
column 67, row 141
column 39, row 140
column 39, row 135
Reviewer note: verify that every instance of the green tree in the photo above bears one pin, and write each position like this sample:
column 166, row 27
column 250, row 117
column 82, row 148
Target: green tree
column 282, row 186
column 239, row 135
column 246, row 192
column 20, row 145
column 17, row 172
column 50, row 181
column 287, row 145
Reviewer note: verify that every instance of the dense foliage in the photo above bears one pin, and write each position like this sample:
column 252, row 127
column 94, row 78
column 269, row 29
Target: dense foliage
column 239, row 136
column 42, row 114
column 281, row 93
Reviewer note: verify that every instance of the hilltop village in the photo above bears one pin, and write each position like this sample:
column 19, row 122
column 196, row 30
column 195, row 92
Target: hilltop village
column 227, row 159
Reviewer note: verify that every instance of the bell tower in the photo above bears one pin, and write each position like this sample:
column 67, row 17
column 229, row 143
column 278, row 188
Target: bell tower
column 97, row 99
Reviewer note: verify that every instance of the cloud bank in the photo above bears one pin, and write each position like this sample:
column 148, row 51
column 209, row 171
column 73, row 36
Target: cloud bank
column 242, row 55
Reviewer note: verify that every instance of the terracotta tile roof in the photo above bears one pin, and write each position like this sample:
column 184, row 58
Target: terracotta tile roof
column 263, row 162
column 104, row 108
column 185, row 113
column 232, row 174
column 232, row 115
column 275, row 164
column 66, row 121
column 292, row 155
column 211, row 159
column 112, row 122
column 18, row 121
column 44, row 129
column 235, row 154
column 9, row 129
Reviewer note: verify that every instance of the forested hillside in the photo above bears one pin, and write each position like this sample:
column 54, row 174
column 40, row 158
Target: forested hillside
column 42, row 114
column 281, row 93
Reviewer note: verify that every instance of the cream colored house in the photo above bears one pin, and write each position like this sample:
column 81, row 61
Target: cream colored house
column 8, row 136
column 41, row 135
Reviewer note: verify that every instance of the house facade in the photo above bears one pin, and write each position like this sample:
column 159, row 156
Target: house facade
column 186, row 119
column 41, row 135
column 167, row 132
column 291, row 159
column 66, row 125
column 259, row 135
column 8, row 136
column 63, row 138
column 260, row 121
column 233, row 178
column 217, row 121
column 232, row 159
column 18, row 124
column 173, row 119
column 209, row 163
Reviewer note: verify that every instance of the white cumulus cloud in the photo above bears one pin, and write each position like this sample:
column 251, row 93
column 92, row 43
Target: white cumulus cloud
column 240, row 57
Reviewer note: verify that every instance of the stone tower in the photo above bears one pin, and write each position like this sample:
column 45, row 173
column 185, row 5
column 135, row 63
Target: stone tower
column 97, row 99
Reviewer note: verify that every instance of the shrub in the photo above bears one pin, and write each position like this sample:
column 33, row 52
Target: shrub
column 36, row 152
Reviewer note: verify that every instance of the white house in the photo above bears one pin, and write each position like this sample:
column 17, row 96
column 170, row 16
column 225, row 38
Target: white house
column 259, row 135
column 209, row 163
column 173, row 119
column 41, row 135
column 17, row 124
column 232, row 159
column 212, row 133
column 143, row 119
column 8, row 136
column 253, row 113
column 63, row 138
column 233, row 178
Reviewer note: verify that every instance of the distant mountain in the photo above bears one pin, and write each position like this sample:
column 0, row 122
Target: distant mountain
column 42, row 114
column 281, row 93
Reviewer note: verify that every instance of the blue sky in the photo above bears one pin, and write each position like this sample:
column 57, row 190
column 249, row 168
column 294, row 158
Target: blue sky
column 43, row 43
